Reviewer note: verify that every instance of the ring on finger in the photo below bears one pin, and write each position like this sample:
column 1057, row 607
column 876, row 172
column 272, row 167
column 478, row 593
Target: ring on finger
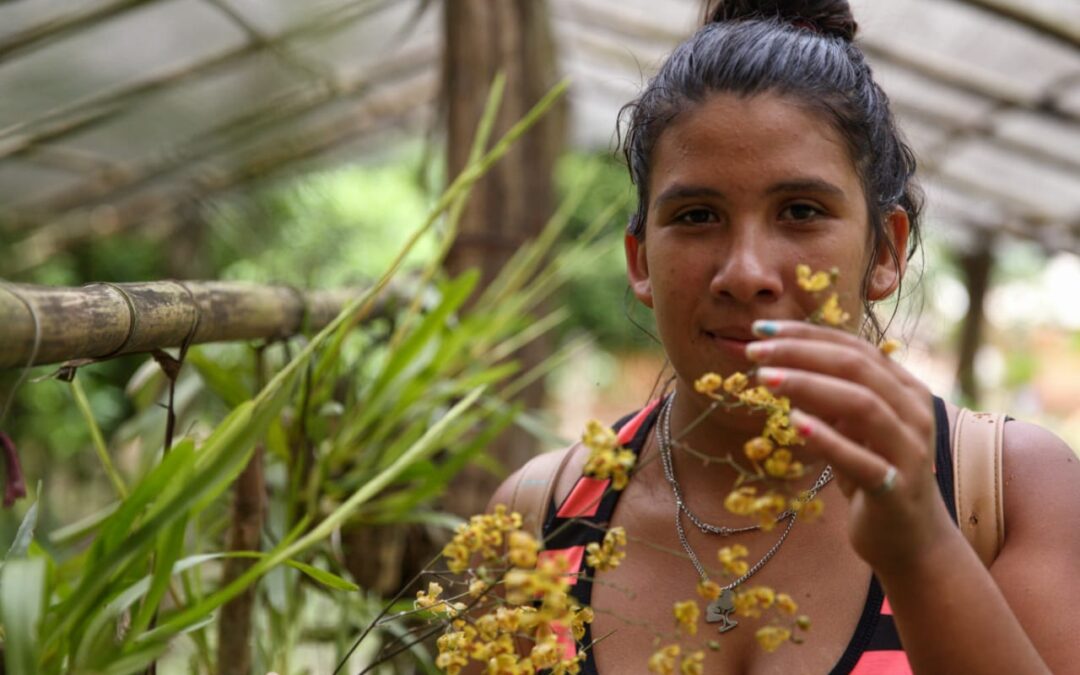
column 887, row 483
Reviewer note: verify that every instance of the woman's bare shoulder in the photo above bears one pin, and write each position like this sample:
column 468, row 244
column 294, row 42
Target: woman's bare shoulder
column 1041, row 474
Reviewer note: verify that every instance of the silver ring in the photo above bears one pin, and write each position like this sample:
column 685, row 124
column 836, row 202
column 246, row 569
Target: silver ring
column 887, row 483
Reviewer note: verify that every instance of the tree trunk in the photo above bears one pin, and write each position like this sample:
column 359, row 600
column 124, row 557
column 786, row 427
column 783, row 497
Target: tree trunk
column 515, row 199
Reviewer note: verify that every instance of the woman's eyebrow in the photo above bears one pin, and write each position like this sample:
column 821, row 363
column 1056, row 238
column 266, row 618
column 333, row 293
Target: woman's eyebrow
column 806, row 185
column 683, row 191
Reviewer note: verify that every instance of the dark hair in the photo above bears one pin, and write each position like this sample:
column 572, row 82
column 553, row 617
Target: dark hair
column 802, row 49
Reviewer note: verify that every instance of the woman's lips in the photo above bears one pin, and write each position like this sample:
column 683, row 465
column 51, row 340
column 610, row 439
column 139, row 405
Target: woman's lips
column 735, row 346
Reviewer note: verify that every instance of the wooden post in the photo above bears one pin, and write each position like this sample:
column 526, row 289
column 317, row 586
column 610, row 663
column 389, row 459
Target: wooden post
column 245, row 531
column 976, row 267
column 516, row 198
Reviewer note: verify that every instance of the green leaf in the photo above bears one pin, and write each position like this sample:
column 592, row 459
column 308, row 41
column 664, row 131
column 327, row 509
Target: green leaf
column 81, row 527
column 22, row 600
column 328, row 579
column 25, row 534
column 170, row 545
column 225, row 384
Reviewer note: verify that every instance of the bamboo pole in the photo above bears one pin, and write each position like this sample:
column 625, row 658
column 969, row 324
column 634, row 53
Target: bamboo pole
column 104, row 320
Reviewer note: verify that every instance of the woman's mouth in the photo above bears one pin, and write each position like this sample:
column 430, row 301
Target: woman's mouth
column 732, row 344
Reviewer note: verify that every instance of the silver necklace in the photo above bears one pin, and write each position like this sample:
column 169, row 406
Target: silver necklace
column 720, row 610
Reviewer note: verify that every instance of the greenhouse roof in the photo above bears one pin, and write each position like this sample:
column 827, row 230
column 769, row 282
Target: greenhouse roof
column 118, row 113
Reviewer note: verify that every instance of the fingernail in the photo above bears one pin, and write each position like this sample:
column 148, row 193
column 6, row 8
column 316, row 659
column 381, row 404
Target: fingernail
column 758, row 351
column 801, row 423
column 770, row 377
column 765, row 328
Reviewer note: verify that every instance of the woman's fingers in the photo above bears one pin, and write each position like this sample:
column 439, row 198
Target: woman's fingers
column 872, row 371
column 861, row 467
column 770, row 330
column 854, row 410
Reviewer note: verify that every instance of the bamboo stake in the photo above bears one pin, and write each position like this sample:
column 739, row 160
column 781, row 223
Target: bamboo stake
column 104, row 320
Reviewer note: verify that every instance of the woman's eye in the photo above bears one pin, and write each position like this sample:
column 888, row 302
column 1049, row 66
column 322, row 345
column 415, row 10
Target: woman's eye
column 696, row 216
column 800, row 212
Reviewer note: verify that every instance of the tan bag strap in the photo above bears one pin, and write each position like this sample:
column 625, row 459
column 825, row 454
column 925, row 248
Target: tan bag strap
column 977, row 481
column 535, row 487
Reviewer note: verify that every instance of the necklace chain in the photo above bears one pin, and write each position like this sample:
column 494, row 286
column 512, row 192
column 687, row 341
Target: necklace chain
column 665, row 443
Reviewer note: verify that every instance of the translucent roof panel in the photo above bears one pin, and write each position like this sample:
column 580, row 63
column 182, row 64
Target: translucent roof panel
column 953, row 38
column 182, row 113
column 358, row 49
column 115, row 104
column 164, row 36
column 21, row 181
column 1037, row 188
column 17, row 18
column 274, row 17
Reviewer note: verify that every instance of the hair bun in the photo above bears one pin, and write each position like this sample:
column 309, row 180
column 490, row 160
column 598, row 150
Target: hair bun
column 830, row 17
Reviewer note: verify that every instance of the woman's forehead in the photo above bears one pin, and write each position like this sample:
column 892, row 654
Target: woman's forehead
column 751, row 142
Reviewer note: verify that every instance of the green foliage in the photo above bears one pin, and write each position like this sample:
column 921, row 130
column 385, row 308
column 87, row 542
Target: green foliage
column 591, row 296
column 365, row 422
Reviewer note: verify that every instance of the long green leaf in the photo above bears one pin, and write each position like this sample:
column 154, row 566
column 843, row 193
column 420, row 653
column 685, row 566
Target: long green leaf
column 169, row 548
column 25, row 534
column 22, row 600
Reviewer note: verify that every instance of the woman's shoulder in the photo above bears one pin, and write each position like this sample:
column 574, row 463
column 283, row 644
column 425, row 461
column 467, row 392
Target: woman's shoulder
column 1041, row 476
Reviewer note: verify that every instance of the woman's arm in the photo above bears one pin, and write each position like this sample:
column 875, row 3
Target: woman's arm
column 1031, row 588
column 862, row 413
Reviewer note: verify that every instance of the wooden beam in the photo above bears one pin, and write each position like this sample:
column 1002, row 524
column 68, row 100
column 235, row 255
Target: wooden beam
column 976, row 267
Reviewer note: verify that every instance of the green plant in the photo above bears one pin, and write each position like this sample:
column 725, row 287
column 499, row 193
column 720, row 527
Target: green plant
column 367, row 421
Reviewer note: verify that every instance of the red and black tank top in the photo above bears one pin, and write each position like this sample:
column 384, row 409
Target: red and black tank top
column 584, row 515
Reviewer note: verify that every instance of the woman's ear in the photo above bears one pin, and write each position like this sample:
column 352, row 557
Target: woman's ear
column 888, row 270
column 637, row 270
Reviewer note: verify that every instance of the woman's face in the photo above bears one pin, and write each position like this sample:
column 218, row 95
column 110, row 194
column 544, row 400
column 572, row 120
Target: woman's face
column 741, row 191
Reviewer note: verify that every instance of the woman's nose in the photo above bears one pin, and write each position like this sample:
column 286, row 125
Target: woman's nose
column 748, row 272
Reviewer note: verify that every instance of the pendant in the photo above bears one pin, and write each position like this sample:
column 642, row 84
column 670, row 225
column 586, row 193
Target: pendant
column 720, row 609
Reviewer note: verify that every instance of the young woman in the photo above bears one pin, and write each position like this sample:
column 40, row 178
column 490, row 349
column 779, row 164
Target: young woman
column 763, row 143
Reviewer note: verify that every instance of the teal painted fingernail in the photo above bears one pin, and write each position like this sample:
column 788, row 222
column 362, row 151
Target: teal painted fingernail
column 765, row 328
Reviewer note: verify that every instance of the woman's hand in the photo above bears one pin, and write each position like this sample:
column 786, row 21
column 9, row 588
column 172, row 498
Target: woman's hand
column 873, row 422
